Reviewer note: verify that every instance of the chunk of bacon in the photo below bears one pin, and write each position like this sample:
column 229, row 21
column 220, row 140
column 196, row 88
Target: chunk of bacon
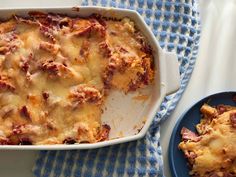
column 143, row 78
column 25, row 63
column 148, row 75
column 55, row 69
column 96, row 26
column 190, row 156
column 52, row 48
column 107, row 77
column 221, row 109
column 9, row 43
column 104, row 133
column 25, row 141
column 84, row 51
column 69, row 141
column 189, row 135
column 144, row 46
column 54, row 19
column 82, row 94
column 5, row 84
column 106, row 50
column 100, row 19
column 24, row 112
column 47, row 32
column 83, row 31
column 85, row 27
column 115, row 63
column 233, row 119
column 81, row 27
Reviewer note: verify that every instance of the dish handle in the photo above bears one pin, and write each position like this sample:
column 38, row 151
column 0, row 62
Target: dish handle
column 172, row 72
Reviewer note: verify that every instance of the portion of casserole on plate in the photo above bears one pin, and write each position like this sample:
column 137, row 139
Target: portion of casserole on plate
column 56, row 71
column 212, row 152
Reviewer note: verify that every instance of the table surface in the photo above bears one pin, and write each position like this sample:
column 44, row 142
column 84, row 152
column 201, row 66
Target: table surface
column 214, row 71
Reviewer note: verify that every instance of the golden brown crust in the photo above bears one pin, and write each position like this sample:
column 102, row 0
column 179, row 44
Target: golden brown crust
column 5, row 84
column 55, row 70
column 84, row 94
column 52, row 48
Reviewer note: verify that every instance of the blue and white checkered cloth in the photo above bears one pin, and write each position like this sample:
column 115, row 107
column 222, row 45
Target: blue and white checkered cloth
column 175, row 24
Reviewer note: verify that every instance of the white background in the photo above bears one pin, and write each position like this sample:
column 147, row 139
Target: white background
column 215, row 70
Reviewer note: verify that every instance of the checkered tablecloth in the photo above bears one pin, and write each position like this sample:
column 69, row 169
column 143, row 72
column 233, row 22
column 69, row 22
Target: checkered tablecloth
column 175, row 23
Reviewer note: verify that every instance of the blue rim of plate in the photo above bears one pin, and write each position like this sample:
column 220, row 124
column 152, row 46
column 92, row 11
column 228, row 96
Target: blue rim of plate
column 172, row 141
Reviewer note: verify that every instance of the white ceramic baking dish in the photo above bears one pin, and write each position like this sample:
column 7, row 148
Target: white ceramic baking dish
column 128, row 117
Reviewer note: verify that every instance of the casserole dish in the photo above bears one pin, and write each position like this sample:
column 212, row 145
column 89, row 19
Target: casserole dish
column 128, row 116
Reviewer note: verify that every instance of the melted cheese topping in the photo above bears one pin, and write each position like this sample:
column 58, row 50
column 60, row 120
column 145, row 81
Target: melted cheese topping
column 56, row 72
column 214, row 153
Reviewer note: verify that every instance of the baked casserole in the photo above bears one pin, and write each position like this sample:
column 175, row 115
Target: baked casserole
column 212, row 152
column 56, row 72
